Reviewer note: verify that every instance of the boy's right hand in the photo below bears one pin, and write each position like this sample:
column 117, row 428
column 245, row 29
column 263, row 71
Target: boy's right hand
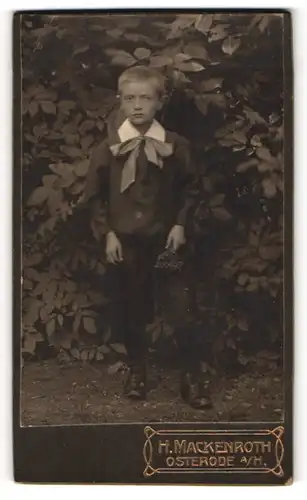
column 114, row 249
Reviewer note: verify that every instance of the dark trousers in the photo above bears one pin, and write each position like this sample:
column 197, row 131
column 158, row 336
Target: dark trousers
column 133, row 286
column 130, row 287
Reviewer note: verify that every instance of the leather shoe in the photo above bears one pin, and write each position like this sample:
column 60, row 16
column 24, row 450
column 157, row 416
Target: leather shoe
column 135, row 387
column 195, row 390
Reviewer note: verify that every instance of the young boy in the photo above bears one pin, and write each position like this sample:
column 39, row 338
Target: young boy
column 145, row 174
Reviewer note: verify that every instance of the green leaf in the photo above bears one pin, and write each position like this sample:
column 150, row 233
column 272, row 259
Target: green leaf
column 84, row 355
column 70, row 286
column 48, row 107
column 221, row 213
column 69, row 297
column 104, row 349
column 89, row 324
column 76, row 323
column 87, row 141
column 264, row 154
column 75, row 353
column 49, row 293
column 99, row 356
column 40, row 130
column 27, row 284
column 270, row 252
column 265, row 167
column 115, row 33
column 179, row 25
column 180, row 78
column 107, row 335
column 211, row 85
column 156, row 333
column 81, row 168
column 55, row 201
column 252, row 287
column 76, row 188
column 190, row 66
column 71, row 151
column 244, row 166
column 123, row 58
column 181, row 57
column 217, row 32
column 32, row 313
column 196, row 50
column 253, row 116
column 29, row 344
column 239, row 136
column 44, row 315
column 66, row 105
column 50, row 327
column 31, row 274
column 243, row 324
column 33, row 108
column 112, row 369
column 217, row 200
column 202, row 104
column 91, row 353
column 253, row 239
column 120, row 348
column 90, row 312
column 203, row 23
column 60, row 319
column 86, row 125
column 269, row 188
column 207, row 184
column 80, row 50
column 49, row 180
column 160, row 61
column 32, row 259
column 264, row 23
column 63, row 357
column 38, row 196
column 142, row 53
column 230, row 45
column 243, row 279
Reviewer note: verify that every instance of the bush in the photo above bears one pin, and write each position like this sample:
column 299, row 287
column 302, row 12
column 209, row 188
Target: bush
column 225, row 93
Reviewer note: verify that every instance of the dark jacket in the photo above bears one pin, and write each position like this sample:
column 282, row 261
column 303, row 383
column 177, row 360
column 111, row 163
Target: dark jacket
column 157, row 200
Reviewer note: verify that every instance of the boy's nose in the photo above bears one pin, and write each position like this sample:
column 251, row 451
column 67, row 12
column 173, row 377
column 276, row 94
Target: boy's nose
column 137, row 104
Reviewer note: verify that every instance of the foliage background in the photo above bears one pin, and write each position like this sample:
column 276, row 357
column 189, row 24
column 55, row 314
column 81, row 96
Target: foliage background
column 225, row 93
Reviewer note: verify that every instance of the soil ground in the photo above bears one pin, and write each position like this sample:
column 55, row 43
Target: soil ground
column 85, row 393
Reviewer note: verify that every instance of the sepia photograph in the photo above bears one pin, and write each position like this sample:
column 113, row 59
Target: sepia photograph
column 152, row 217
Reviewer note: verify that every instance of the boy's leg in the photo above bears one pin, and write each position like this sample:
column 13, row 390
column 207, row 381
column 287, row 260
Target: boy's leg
column 178, row 295
column 131, row 307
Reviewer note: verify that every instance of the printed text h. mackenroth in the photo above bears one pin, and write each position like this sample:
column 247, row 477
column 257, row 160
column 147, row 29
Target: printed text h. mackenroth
column 186, row 447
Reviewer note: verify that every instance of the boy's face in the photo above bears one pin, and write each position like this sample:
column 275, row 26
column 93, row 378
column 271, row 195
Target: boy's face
column 140, row 102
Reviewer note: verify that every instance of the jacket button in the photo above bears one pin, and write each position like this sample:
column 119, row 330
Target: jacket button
column 138, row 215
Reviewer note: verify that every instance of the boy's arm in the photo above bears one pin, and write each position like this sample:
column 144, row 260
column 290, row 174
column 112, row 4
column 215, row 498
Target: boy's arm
column 188, row 182
column 96, row 190
column 98, row 169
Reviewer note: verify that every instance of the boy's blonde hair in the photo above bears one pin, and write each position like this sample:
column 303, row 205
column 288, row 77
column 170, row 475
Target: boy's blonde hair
column 142, row 73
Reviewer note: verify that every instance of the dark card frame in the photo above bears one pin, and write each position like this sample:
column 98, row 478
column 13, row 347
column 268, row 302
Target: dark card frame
column 121, row 453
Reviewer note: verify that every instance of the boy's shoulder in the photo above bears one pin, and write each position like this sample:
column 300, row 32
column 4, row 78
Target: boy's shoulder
column 176, row 139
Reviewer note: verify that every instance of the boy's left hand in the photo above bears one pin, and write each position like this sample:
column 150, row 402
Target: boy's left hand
column 176, row 238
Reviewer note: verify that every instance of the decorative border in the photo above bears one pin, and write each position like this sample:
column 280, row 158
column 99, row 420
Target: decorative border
column 277, row 470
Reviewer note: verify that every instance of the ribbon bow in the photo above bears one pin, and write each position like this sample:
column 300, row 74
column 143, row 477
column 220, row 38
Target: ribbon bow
column 155, row 151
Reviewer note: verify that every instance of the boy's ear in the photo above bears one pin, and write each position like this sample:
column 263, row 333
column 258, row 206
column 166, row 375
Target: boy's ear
column 162, row 101
column 160, row 105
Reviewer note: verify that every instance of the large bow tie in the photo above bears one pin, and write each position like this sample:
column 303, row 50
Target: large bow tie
column 154, row 149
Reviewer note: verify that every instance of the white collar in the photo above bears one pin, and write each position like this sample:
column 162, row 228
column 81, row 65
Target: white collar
column 127, row 131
